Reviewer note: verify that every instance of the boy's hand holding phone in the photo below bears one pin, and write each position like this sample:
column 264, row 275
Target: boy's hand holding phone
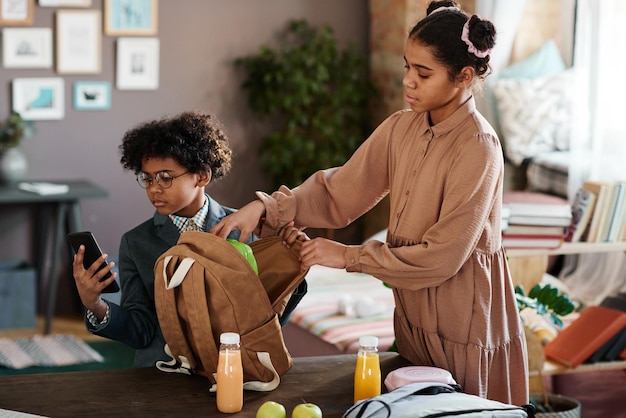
column 91, row 272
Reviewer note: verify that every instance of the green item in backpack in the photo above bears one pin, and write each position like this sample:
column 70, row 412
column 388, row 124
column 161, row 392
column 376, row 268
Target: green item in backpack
column 247, row 253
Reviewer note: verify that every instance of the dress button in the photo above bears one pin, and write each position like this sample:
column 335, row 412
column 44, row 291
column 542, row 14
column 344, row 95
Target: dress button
column 352, row 261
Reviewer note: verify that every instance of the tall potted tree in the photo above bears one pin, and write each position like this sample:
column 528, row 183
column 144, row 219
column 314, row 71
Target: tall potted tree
column 314, row 95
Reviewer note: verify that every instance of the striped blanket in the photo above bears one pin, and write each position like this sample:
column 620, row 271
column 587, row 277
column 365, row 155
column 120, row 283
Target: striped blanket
column 319, row 311
column 49, row 350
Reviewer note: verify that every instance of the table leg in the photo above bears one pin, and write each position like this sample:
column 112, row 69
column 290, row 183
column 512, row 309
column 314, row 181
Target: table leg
column 75, row 219
column 41, row 239
column 58, row 240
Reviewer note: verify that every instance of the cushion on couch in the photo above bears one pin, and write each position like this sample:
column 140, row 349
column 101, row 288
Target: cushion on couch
column 533, row 100
column 534, row 114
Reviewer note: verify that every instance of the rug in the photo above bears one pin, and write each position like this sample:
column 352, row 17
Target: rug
column 48, row 350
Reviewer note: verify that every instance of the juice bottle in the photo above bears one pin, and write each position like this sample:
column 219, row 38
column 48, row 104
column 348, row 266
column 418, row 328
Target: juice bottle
column 229, row 374
column 367, row 371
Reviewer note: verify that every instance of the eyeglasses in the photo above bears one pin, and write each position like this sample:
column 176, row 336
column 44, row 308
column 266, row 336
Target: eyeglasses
column 163, row 179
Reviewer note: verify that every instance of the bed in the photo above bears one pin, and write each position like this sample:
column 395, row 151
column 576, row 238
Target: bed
column 323, row 324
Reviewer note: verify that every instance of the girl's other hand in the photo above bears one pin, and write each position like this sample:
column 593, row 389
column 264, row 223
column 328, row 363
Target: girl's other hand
column 290, row 234
column 324, row 252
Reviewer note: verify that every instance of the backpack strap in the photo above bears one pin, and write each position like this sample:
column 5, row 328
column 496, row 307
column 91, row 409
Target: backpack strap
column 257, row 385
column 178, row 349
column 194, row 293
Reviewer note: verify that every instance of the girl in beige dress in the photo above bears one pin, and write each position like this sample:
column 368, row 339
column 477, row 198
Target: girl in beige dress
column 441, row 164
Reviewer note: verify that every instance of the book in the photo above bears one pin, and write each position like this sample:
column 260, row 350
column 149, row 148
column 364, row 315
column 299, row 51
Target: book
column 614, row 206
column 44, row 188
column 618, row 345
column 554, row 214
column 584, row 336
column 603, row 215
column 582, row 208
column 610, row 351
column 535, row 231
column 600, row 189
column 548, row 243
column 607, row 351
column 615, row 226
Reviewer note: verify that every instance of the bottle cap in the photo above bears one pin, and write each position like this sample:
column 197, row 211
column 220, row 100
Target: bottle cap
column 229, row 338
column 368, row 341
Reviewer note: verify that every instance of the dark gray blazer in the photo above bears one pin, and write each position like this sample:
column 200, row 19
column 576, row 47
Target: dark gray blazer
column 134, row 322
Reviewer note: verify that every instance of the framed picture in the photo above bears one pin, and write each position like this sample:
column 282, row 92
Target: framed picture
column 137, row 64
column 39, row 98
column 64, row 3
column 27, row 47
column 92, row 95
column 78, row 42
column 130, row 17
column 16, row 12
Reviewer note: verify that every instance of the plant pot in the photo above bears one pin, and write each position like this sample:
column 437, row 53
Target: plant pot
column 13, row 166
column 562, row 406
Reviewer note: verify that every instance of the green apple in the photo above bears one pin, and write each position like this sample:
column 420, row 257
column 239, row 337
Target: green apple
column 306, row 410
column 271, row 409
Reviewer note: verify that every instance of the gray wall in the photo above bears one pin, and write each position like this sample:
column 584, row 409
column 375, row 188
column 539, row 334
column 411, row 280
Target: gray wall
column 199, row 41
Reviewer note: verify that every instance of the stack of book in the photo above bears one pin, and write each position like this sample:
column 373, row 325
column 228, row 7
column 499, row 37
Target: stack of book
column 597, row 335
column 599, row 212
column 535, row 225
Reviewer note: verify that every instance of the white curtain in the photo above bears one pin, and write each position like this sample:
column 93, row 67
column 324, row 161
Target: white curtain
column 505, row 15
column 598, row 146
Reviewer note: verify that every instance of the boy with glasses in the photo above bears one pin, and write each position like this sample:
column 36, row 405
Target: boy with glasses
column 174, row 160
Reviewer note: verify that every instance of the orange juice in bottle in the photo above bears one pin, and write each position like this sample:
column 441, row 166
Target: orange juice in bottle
column 367, row 382
column 229, row 374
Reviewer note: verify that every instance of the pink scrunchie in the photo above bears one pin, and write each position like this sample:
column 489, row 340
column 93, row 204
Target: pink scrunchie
column 470, row 46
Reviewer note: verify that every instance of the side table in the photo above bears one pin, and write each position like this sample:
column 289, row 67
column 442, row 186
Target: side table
column 64, row 211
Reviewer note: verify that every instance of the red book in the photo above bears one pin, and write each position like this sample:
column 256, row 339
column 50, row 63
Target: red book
column 583, row 337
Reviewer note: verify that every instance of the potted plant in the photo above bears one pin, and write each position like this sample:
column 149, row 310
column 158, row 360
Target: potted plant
column 314, row 95
column 13, row 164
column 544, row 302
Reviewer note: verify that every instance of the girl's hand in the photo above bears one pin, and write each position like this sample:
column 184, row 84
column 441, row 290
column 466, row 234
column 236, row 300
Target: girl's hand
column 245, row 220
column 290, row 234
column 88, row 281
column 324, row 252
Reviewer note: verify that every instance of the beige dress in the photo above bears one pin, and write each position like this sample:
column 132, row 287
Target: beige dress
column 455, row 302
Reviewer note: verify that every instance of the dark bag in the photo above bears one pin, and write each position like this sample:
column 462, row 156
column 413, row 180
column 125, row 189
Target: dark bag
column 203, row 287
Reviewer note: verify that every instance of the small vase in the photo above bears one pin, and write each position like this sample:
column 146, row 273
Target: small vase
column 13, row 166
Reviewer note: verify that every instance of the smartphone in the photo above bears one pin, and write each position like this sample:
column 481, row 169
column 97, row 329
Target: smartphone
column 92, row 253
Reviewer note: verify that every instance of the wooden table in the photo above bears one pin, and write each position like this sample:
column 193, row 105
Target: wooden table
column 64, row 210
column 326, row 381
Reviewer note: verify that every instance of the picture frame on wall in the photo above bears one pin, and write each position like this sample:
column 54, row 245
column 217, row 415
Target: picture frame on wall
column 78, row 42
column 39, row 98
column 130, row 17
column 64, row 3
column 137, row 64
column 16, row 12
column 92, row 95
column 27, row 48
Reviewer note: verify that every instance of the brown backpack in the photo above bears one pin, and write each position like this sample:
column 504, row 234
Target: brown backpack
column 203, row 287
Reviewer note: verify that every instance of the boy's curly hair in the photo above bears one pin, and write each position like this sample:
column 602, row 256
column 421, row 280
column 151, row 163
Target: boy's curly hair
column 192, row 139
